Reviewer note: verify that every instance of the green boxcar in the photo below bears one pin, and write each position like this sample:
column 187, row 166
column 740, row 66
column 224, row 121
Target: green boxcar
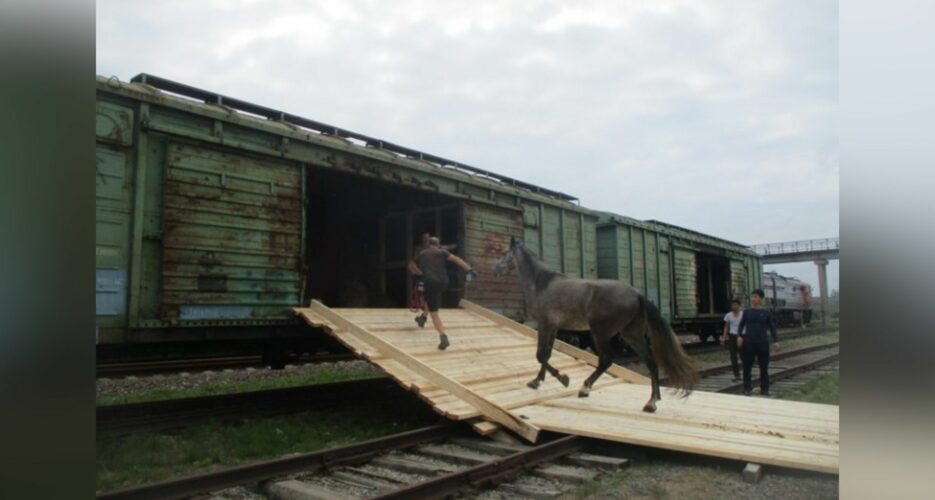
column 215, row 217
column 690, row 276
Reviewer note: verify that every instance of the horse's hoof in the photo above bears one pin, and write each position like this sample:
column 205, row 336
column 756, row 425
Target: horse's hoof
column 533, row 385
column 583, row 393
column 649, row 408
column 564, row 379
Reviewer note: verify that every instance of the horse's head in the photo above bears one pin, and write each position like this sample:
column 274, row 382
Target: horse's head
column 507, row 261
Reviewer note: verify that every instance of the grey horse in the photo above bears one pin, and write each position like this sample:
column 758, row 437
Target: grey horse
column 606, row 308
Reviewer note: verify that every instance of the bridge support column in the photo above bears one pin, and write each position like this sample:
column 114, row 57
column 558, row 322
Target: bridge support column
column 823, row 288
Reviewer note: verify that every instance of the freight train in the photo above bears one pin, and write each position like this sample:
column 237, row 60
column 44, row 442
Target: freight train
column 215, row 217
column 789, row 298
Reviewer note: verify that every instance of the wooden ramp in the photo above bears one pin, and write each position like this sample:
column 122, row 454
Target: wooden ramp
column 482, row 377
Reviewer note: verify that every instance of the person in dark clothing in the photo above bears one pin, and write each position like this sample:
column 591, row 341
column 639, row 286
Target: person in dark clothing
column 754, row 342
column 729, row 337
column 430, row 264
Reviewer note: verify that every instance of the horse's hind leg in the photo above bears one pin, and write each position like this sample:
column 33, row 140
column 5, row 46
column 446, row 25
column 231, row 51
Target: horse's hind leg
column 650, row 405
column 605, row 358
column 637, row 339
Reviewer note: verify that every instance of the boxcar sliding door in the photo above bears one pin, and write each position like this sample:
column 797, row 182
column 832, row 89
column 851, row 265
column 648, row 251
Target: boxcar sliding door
column 232, row 242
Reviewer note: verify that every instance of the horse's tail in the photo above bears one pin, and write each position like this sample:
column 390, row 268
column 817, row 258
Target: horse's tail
column 681, row 370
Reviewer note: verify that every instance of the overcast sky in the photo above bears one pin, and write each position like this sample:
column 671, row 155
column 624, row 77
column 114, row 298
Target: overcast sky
column 719, row 116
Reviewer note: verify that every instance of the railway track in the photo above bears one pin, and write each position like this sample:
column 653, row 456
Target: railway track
column 150, row 367
column 436, row 461
column 432, row 462
column 166, row 414
column 695, row 348
column 782, row 366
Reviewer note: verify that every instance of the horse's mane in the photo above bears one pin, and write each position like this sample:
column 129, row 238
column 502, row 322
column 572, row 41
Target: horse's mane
column 542, row 275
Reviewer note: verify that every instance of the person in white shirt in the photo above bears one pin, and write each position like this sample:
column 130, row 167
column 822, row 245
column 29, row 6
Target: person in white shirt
column 729, row 337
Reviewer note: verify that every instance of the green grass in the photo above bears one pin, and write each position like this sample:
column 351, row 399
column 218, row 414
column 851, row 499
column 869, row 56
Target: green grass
column 124, row 461
column 823, row 389
column 317, row 377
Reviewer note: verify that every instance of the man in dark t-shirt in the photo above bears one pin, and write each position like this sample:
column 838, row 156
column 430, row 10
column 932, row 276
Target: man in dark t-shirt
column 430, row 264
column 754, row 342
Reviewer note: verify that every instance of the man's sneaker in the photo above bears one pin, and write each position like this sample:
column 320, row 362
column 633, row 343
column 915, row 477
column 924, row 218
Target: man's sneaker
column 765, row 394
column 443, row 344
column 747, row 393
column 420, row 320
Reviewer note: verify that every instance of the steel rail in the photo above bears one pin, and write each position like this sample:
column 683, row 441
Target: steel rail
column 196, row 484
column 715, row 370
column 133, row 417
column 783, row 374
column 176, row 365
column 489, row 473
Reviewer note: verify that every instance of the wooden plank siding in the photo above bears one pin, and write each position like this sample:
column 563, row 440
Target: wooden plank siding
column 232, row 243
column 487, row 233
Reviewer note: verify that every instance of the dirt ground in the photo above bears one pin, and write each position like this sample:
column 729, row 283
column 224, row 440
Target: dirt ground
column 684, row 479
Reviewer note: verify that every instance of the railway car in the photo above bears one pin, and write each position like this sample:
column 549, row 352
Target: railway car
column 789, row 298
column 690, row 276
column 215, row 217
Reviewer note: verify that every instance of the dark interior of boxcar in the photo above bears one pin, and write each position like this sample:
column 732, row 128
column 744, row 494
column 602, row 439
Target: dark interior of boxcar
column 360, row 235
column 713, row 285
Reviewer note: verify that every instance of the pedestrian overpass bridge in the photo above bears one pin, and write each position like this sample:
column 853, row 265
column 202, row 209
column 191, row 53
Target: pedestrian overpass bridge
column 798, row 251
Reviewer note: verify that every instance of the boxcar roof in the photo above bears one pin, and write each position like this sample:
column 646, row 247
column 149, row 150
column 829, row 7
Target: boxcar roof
column 324, row 129
column 673, row 230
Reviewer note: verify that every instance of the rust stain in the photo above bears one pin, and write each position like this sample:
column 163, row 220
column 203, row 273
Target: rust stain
column 494, row 244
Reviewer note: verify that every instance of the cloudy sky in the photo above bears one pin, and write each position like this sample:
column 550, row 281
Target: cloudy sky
column 719, row 116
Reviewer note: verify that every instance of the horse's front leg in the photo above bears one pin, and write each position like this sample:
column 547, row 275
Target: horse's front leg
column 546, row 339
column 534, row 383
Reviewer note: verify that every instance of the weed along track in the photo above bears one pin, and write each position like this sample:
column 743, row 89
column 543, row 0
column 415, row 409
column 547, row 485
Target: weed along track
column 432, row 462
column 167, row 414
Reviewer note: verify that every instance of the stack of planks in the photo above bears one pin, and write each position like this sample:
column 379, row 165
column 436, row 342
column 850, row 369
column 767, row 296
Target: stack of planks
column 482, row 377
column 490, row 355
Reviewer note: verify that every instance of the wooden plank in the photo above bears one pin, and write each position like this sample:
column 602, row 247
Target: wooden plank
column 615, row 369
column 727, row 443
column 519, row 398
column 490, row 410
column 483, row 427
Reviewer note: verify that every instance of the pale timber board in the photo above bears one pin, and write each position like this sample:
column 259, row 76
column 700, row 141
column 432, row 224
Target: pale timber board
column 727, row 444
column 517, row 398
column 490, row 410
column 690, row 419
column 731, row 408
column 800, row 435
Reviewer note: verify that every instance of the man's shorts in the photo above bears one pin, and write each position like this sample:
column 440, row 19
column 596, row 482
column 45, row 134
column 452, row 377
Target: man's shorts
column 433, row 294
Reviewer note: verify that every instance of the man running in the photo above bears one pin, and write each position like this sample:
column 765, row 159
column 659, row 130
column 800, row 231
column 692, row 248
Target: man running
column 753, row 342
column 430, row 265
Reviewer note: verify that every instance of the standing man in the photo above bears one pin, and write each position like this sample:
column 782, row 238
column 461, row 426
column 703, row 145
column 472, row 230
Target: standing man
column 729, row 336
column 753, row 342
column 430, row 265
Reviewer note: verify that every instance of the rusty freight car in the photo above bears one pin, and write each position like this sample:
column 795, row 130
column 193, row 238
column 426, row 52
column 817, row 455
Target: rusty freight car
column 216, row 216
column 692, row 277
